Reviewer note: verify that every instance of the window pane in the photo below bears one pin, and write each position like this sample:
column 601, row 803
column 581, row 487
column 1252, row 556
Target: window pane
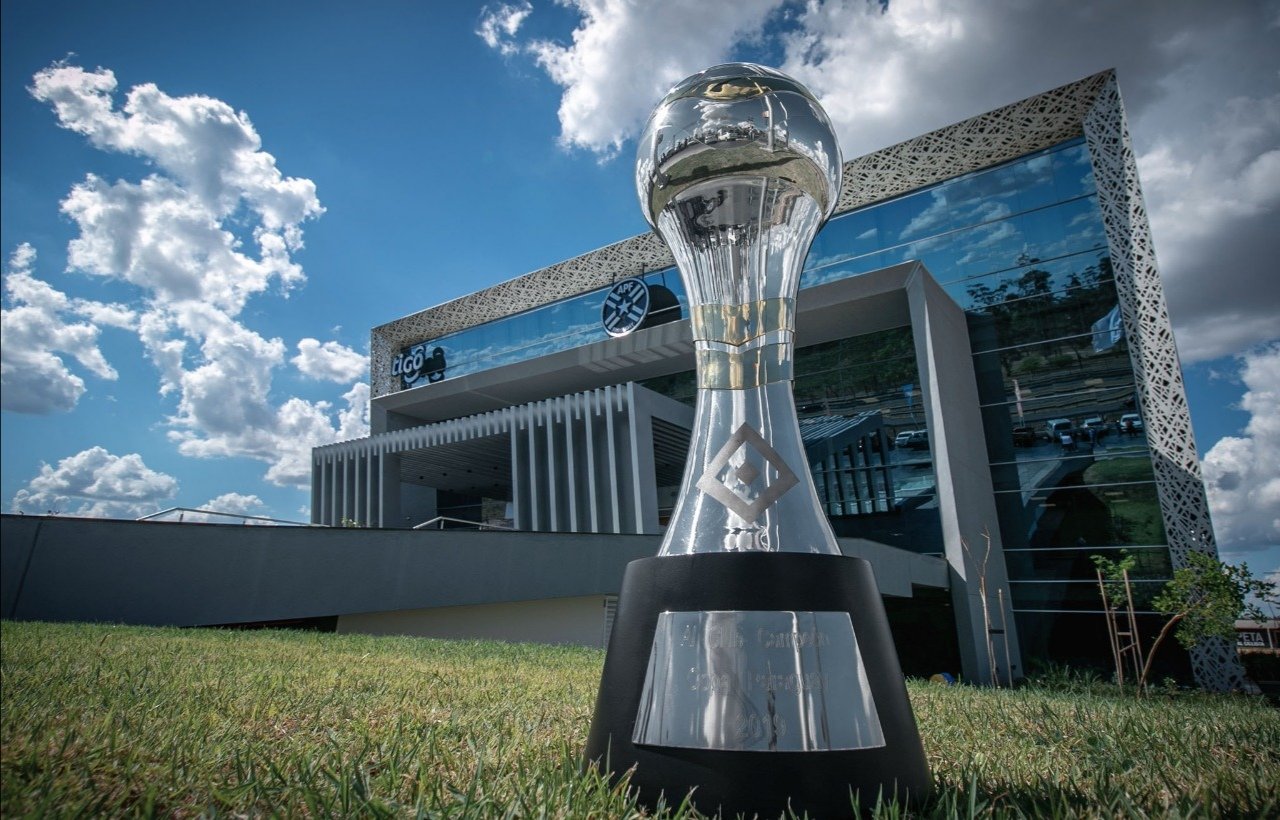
column 1034, row 373
column 1073, row 515
column 980, row 198
column 1080, row 640
column 1086, row 313
column 1052, row 232
column 1099, row 466
column 1077, row 564
column 543, row 330
column 1076, row 595
column 1096, row 420
column 1031, row 278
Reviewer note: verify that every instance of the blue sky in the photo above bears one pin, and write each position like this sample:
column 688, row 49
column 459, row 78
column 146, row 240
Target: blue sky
column 187, row 310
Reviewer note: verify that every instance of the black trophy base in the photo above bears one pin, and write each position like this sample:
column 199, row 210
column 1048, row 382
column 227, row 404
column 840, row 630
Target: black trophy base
column 764, row 783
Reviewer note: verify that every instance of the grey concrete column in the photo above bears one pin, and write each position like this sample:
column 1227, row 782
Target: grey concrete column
column 389, row 490
column 643, row 469
column 317, row 487
column 613, row 445
column 521, row 490
column 966, row 502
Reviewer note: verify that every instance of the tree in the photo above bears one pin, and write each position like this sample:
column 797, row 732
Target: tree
column 1117, row 605
column 993, row 668
column 1202, row 601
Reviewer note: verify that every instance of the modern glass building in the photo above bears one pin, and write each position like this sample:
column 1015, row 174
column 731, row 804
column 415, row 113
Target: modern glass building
column 984, row 371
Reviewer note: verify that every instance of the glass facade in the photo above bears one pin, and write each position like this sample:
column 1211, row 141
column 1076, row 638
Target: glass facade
column 540, row 331
column 1021, row 248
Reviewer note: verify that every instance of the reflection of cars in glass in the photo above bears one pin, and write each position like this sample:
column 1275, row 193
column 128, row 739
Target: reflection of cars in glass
column 902, row 438
column 1055, row 429
column 1095, row 428
column 1130, row 424
column 917, row 440
column 1024, row 436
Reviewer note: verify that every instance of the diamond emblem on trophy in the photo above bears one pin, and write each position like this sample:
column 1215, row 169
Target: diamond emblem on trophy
column 732, row 466
column 750, row 665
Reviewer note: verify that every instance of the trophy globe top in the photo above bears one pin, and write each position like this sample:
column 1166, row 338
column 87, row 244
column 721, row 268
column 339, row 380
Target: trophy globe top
column 737, row 120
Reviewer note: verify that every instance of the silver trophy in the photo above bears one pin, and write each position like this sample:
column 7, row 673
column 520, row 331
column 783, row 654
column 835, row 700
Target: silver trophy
column 737, row 169
column 750, row 661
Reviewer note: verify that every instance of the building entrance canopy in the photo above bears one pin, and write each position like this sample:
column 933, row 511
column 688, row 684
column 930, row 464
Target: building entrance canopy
column 584, row 462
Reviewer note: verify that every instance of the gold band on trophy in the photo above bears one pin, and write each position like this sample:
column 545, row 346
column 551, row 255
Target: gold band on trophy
column 739, row 324
column 722, row 370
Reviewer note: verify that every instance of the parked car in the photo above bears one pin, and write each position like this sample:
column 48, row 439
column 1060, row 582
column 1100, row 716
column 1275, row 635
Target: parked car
column 1055, row 429
column 918, row 440
column 1130, row 424
column 1024, row 436
column 902, row 438
column 1095, row 428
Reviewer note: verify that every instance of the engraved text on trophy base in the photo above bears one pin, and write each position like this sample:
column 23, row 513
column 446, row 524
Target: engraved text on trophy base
column 757, row 681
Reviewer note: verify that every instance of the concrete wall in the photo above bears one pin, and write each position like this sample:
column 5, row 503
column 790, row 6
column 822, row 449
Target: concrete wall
column 581, row 620
column 69, row 569
column 515, row 586
column 897, row 571
column 577, row 620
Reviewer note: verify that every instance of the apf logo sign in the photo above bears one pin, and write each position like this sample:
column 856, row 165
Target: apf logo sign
column 625, row 307
column 414, row 364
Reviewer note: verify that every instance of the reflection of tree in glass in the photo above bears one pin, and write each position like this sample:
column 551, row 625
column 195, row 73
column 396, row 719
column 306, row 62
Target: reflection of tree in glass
column 1025, row 307
column 1134, row 507
column 682, row 386
column 856, row 373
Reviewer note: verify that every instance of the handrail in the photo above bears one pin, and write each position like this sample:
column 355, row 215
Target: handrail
column 442, row 519
column 243, row 516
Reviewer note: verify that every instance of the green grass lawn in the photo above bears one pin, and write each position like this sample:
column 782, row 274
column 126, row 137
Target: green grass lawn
column 128, row 721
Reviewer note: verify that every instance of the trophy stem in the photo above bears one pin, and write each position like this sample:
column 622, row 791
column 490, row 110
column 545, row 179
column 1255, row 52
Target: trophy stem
column 742, row 492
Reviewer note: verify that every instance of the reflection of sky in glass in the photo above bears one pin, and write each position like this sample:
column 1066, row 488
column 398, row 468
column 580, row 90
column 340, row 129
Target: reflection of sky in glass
column 985, row 227
column 548, row 329
column 1058, row 230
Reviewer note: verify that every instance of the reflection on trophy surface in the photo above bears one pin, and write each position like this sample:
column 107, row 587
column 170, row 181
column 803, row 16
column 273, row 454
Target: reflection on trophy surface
column 738, row 168
column 750, row 661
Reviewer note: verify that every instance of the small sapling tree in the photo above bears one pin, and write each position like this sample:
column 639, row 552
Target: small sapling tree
column 1202, row 601
column 1117, row 606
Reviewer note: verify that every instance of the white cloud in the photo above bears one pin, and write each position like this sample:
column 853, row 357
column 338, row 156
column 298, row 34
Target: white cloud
column 1242, row 473
column 499, row 25
column 224, row 509
column 625, row 55
column 235, row 503
column 226, row 408
column 1214, row 190
column 169, row 233
column 212, row 151
column 1201, row 83
column 330, row 361
column 33, row 377
column 156, row 235
column 228, row 392
column 95, row 483
column 181, row 236
column 308, row 422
